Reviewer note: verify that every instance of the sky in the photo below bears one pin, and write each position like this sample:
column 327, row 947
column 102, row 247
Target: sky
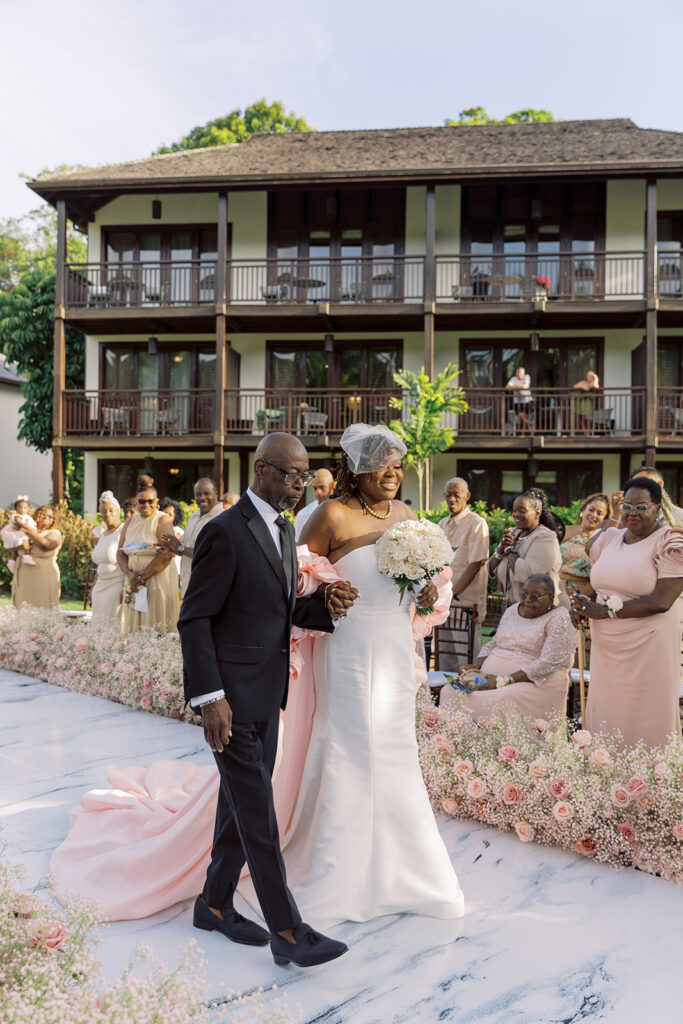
column 89, row 82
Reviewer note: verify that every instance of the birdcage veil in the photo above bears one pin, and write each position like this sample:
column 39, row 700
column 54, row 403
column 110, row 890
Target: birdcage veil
column 371, row 448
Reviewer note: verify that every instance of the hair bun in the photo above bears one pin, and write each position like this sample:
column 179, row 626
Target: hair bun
column 145, row 483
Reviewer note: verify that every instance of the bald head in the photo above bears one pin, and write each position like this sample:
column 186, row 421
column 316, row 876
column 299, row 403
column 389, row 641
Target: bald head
column 651, row 473
column 323, row 485
column 280, row 470
column 279, row 445
column 456, row 494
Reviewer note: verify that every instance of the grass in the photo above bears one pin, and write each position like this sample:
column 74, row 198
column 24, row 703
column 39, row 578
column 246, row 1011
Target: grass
column 68, row 604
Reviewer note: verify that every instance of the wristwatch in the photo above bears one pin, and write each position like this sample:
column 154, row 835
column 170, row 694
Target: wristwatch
column 181, row 549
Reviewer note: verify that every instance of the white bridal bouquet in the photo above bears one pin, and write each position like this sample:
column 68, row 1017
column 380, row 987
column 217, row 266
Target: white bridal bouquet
column 411, row 553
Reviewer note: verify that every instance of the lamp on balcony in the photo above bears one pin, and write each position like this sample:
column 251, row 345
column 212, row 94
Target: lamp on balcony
column 152, row 346
column 329, row 344
column 534, row 342
column 532, row 468
column 156, row 209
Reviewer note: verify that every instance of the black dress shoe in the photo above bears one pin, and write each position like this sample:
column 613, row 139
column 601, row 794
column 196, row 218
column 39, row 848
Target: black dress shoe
column 310, row 948
column 232, row 925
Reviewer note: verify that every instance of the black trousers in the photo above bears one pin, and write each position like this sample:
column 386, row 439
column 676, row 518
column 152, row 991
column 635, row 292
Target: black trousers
column 246, row 826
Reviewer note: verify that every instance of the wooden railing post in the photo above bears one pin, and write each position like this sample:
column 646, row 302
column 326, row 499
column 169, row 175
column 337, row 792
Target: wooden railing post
column 59, row 356
column 652, row 303
column 221, row 361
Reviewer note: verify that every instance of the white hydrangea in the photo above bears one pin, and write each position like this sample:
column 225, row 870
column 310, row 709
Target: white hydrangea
column 413, row 550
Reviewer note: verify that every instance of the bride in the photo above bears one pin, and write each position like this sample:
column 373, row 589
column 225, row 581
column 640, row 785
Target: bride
column 359, row 836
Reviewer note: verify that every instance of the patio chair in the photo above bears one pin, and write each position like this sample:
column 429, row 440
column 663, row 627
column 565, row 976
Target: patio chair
column 602, row 421
column 354, row 291
column 275, row 292
column 462, row 292
column 313, row 422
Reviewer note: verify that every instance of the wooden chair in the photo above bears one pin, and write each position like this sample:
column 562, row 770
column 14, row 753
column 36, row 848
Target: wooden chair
column 455, row 636
column 88, row 585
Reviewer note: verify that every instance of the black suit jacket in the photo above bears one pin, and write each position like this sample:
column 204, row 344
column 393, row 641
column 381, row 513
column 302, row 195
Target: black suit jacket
column 236, row 616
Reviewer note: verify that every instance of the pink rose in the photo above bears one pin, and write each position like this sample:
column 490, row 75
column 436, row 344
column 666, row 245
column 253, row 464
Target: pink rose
column 507, row 753
column 644, row 802
column 524, row 831
column 542, row 725
column 511, row 794
column 60, row 636
column 50, row 936
column 581, row 738
column 602, row 759
column 449, row 805
column 106, row 667
column 562, row 811
column 444, row 745
column 145, row 702
column 60, row 663
column 559, row 788
column 80, row 645
column 463, row 768
column 166, row 692
column 482, row 810
column 537, row 770
column 678, row 831
column 431, row 717
column 475, row 788
column 628, row 832
column 148, row 686
column 586, row 846
column 661, row 770
column 176, row 714
column 19, row 657
column 34, row 638
column 620, row 795
column 636, row 786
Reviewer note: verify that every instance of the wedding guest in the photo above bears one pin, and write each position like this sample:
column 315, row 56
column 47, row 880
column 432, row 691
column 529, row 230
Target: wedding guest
column 107, row 591
column 13, row 536
column 172, row 508
column 637, row 575
column 39, row 583
column 322, row 485
column 672, row 514
column 208, row 507
column 130, row 507
column 147, row 568
column 575, row 572
column 526, row 664
column 532, row 546
column 585, row 405
column 229, row 499
column 468, row 534
column 520, row 385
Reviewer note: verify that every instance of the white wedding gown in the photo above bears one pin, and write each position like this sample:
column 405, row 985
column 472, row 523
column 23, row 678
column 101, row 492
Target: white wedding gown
column 364, row 841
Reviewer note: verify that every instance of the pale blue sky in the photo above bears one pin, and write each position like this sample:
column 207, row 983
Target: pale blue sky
column 83, row 81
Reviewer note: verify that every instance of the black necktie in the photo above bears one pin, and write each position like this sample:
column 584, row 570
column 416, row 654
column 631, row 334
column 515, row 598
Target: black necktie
column 286, row 544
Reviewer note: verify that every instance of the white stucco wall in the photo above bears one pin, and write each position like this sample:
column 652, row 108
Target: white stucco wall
column 23, row 470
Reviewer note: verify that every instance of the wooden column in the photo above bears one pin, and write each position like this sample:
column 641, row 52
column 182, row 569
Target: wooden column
column 59, row 358
column 652, row 305
column 221, row 310
column 429, row 309
column 244, row 470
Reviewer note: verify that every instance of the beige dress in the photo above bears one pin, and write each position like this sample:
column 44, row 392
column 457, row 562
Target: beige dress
column 38, row 585
column 542, row 647
column 193, row 527
column 468, row 534
column 635, row 665
column 540, row 552
column 163, row 605
column 106, row 593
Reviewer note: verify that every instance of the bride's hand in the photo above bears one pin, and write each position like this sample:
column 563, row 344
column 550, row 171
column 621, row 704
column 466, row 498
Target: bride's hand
column 428, row 596
column 339, row 598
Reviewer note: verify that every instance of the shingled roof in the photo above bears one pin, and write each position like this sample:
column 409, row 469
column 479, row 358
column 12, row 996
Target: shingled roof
column 423, row 153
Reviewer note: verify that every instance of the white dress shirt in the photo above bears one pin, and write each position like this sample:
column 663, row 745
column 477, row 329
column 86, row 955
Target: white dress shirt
column 303, row 517
column 269, row 515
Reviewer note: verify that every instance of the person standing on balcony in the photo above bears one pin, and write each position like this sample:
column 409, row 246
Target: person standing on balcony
column 520, row 386
column 323, row 488
column 208, row 507
column 38, row 582
column 585, row 405
column 108, row 588
column 151, row 590
column 468, row 535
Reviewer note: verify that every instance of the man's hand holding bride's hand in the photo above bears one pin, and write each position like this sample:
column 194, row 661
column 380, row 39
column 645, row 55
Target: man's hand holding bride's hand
column 339, row 597
column 217, row 724
column 428, row 596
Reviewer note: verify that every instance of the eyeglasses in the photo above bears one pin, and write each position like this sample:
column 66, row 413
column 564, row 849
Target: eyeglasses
column 147, row 501
column 640, row 509
column 532, row 598
column 291, row 475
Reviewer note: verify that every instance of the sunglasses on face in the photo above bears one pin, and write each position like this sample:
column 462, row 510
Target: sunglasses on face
column 640, row 509
column 147, row 501
column 292, row 475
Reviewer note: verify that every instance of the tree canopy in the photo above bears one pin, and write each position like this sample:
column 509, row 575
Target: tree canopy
column 239, row 125
column 478, row 115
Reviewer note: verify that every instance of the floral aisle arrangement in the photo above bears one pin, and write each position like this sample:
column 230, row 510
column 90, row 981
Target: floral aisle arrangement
column 50, row 972
column 579, row 792
column 411, row 553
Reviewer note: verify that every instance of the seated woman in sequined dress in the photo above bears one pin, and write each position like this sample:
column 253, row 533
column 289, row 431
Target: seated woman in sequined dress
column 526, row 664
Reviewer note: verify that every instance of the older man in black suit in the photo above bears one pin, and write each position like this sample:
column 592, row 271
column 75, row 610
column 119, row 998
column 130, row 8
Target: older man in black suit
column 234, row 626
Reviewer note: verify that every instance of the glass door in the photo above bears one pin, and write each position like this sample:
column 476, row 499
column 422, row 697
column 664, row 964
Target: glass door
column 148, row 385
column 180, row 270
column 174, row 412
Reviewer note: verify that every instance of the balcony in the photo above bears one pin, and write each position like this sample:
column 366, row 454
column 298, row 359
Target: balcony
column 670, row 414
column 142, row 414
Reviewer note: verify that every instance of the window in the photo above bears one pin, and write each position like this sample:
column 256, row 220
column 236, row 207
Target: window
column 558, row 363
column 500, row 483
column 172, row 479
column 175, row 367
column 669, row 245
column 350, row 365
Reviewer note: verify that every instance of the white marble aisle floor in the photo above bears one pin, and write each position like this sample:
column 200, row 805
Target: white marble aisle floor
column 549, row 937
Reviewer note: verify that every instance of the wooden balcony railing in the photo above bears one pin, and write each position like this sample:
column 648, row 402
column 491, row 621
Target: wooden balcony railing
column 552, row 412
column 535, row 276
column 357, row 279
column 308, row 411
column 670, row 412
column 159, row 283
column 137, row 413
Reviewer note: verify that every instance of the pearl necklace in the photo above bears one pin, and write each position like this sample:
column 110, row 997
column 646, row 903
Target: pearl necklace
column 370, row 511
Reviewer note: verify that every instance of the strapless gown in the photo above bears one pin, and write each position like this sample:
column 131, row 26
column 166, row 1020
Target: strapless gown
column 363, row 840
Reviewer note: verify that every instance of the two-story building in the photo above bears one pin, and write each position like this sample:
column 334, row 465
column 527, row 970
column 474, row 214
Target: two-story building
column 279, row 283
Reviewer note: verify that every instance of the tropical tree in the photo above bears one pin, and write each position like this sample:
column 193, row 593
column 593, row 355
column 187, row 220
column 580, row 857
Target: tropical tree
column 423, row 405
column 239, row 125
column 26, row 338
column 478, row 115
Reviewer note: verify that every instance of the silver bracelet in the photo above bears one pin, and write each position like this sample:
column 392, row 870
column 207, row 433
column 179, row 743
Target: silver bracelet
column 214, row 700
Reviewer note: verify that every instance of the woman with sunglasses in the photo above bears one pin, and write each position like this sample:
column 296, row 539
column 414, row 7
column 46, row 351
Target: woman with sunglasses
column 526, row 664
column 151, row 589
column 636, row 575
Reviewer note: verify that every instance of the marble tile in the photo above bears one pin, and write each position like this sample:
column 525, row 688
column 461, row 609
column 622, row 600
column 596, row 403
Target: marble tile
column 548, row 936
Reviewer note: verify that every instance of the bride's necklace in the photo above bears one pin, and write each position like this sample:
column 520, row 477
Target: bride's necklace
column 366, row 508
